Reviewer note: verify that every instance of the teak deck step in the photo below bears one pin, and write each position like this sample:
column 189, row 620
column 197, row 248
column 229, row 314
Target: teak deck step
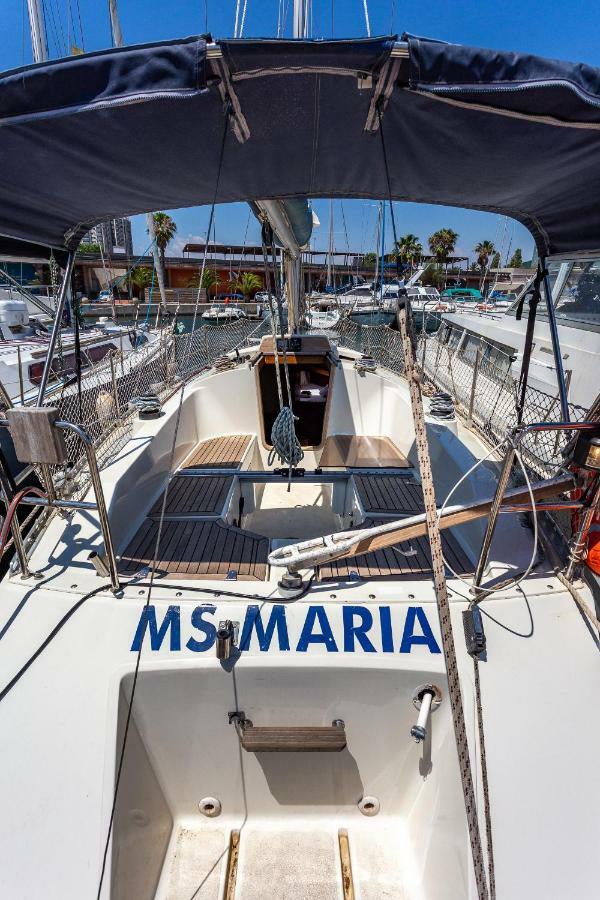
column 361, row 451
column 393, row 563
column 224, row 452
column 387, row 494
column 203, row 495
column 293, row 738
column 198, row 549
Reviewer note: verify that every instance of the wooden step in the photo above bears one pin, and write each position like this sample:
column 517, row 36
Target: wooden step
column 224, row 452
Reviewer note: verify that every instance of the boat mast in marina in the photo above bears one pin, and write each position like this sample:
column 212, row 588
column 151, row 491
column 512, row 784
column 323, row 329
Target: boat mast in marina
column 37, row 28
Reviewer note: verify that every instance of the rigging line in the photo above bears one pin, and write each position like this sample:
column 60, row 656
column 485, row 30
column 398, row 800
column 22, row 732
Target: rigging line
column 158, row 540
column 344, row 224
column 237, row 17
column 442, row 598
column 243, row 22
column 49, row 17
column 80, row 24
column 60, row 25
column 71, row 30
column 367, row 23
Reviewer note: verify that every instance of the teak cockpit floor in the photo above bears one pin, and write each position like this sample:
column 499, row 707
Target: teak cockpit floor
column 198, row 549
column 203, row 495
column 387, row 494
column 224, row 452
column 410, row 559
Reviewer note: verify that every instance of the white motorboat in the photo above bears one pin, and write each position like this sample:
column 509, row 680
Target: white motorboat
column 576, row 298
column 252, row 656
column 223, row 313
column 318, row 319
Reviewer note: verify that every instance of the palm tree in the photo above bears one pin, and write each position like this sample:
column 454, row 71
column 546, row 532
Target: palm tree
column 248, row 284
column 165, row 229
column 408, row 248
column 204, row 280
column 141, row 277
column 442, row 244
column 484, row 250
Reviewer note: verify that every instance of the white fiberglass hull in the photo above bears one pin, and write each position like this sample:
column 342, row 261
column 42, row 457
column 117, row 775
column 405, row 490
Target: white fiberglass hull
column 354, row 649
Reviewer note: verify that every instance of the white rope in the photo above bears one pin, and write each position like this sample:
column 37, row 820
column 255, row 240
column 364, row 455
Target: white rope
column 523, row 576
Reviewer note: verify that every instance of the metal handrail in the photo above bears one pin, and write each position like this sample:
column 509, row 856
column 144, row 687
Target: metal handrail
column 99, row 505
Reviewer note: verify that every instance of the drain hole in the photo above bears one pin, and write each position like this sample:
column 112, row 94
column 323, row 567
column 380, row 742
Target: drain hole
column 210, row 807
column 369, row 806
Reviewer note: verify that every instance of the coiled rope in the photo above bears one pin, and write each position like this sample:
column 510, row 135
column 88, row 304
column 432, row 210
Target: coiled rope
column 286, row 446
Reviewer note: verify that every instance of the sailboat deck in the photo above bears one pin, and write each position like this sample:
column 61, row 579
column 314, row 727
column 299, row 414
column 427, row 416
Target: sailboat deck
column 409, row 559
column 224, row 452
column 197, row 541
column 196, row 496
column 194, row 548
column 385, row 494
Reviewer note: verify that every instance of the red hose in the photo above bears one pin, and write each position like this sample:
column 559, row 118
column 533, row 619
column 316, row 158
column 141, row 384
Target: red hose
column 12, row 508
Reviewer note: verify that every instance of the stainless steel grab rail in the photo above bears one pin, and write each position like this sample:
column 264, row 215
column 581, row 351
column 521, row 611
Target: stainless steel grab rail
column 99, row 505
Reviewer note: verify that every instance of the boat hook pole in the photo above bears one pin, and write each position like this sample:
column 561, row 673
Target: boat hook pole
column 56, row 326
column 558, row 364
column 541, row 278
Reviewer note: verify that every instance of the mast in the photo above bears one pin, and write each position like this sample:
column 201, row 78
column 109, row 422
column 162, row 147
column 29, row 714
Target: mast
column 292, row 253
column 301, row 18
column 377, row 236
column 330, row 249
column 37, row 28
column 382, row 250
column 115, row 25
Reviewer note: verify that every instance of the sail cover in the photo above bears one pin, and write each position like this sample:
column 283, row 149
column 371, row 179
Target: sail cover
column 125, row 131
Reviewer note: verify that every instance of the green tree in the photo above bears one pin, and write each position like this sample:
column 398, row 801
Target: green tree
column 516, row 260
column 165, row 229
column 484, row 249
column 88, row 248
column 369, row 260
column 204, row 280
column 408, row 248
column 141, row 277
column 442, row 244
column 247, row 284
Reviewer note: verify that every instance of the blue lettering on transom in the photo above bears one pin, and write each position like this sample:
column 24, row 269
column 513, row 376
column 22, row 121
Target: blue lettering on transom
column 170, row 623
column 358, row 631
column 308, row 637
column 267, row 627
column 409, row 638
column 208, row 629
column 264, row 635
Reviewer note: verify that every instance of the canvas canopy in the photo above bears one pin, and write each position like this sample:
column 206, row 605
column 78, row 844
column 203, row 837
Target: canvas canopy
column 129, row 130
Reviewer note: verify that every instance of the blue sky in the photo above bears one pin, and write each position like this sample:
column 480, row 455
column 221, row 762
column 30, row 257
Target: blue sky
column 566, row 30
